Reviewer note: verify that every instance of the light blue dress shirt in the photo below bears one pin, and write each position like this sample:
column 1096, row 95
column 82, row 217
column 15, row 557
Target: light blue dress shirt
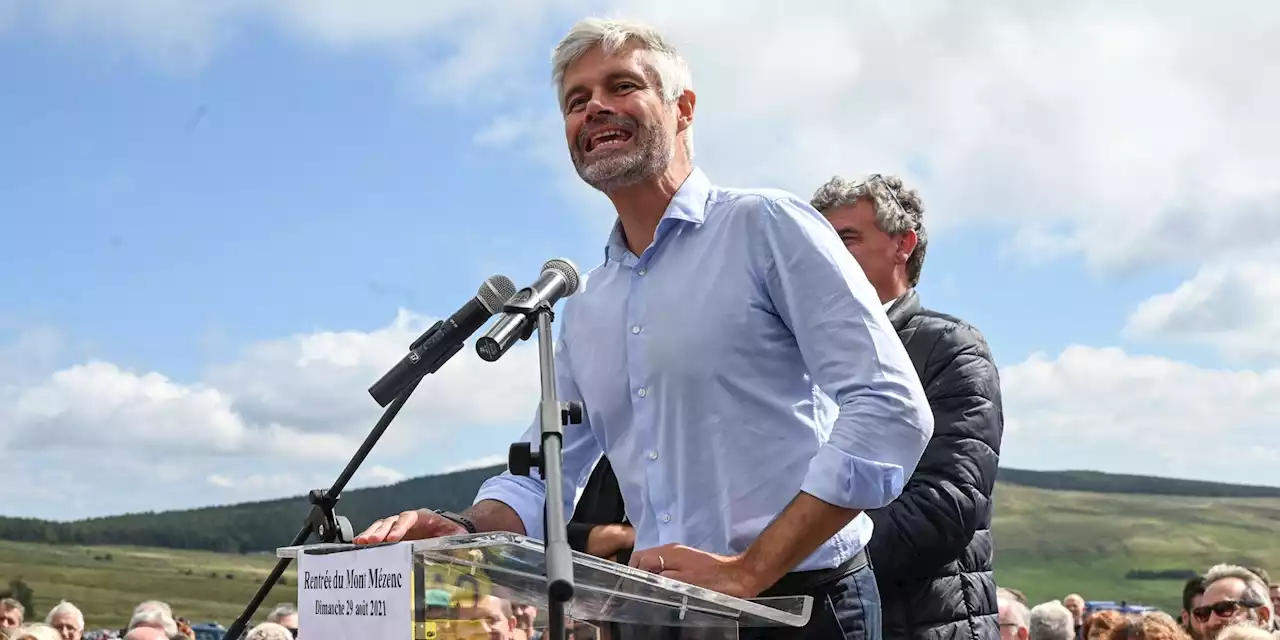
column 742, row 359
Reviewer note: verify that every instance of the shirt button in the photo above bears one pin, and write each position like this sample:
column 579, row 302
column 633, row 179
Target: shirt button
column 635, row 329
column 641, row 392
column 642, row 271
column 653, row 455
column 666, row 517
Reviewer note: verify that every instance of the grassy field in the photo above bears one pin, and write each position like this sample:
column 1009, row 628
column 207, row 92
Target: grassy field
column 1049, row 544
column 107, row 582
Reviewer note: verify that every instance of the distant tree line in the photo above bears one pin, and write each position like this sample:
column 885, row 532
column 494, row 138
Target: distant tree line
column 264, row 526
column 1098, row 482
column 249, row 527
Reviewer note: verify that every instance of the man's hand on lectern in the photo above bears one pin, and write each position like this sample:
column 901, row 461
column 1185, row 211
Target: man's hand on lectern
column 410, row 525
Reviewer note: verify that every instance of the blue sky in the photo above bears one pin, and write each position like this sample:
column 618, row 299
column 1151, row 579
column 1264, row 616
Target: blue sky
column 209, row 224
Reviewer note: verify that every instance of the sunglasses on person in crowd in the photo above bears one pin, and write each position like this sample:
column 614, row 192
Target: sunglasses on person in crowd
column 1224, row 609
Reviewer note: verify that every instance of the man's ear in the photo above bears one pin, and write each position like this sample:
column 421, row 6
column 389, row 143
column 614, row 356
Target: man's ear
column 1023, row 632
column 685, row 105
column 907, row 242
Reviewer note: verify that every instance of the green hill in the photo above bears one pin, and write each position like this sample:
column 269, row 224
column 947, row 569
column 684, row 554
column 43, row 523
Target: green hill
column 1055, row 533
column 107, row 582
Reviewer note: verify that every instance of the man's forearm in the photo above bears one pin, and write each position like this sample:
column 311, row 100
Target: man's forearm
column 492, row 515
column 797, row 532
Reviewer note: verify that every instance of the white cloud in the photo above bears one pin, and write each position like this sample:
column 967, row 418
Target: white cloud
column 1101, row 408
column 478, row 463
column 279, row 485
column 1118, row 132
column 1232, row 306
column 286, row 414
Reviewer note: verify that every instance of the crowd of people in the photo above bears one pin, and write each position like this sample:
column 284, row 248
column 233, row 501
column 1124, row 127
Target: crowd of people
column 1227, row 602
column 151, row 620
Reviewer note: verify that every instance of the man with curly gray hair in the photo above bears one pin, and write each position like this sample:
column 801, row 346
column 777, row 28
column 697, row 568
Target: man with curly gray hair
column 933, row 542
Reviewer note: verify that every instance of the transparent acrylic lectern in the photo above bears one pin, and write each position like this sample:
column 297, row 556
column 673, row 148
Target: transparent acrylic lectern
column 460, row 580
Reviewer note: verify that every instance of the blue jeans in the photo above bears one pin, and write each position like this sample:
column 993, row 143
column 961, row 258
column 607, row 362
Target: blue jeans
column 847, row 609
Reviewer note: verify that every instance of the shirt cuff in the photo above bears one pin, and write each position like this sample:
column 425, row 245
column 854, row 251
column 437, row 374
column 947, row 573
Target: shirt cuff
column 526, row 496
column 845, row 480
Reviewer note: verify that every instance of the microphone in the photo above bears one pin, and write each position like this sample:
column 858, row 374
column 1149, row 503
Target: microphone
column 443, row 339
column 559, row 279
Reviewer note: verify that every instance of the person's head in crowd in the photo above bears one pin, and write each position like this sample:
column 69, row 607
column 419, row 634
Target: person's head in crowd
column 185, row 630
column 1246, row 632
column 1012, row 594
column 627, row 100
column 1014, row 618
column 526, row 615
column 1275, row 599
column 270, row 631
column 285, row 615
column 67, row 619
column 1075, row 604
column 1192, row 596
column 146, row 633
column 1151, row 625
column 156, row 615
column 1100, row 624
column 37, row 631
column 154, row 604
column 1051, row 621
column 1232, row 595
column 12, row 613
column 491, row 617
column 882, row 224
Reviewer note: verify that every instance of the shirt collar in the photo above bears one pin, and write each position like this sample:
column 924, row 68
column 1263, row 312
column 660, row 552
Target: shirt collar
column 689, row 204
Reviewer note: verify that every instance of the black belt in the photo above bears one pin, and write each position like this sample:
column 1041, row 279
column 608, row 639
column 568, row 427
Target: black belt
column 808, row 582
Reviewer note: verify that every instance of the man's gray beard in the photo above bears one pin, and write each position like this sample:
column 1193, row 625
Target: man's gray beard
column 651, row 157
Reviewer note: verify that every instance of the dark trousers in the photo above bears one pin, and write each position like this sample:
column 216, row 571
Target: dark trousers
column 846, row 606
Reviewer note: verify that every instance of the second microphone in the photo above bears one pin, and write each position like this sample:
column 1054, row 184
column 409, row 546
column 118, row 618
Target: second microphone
column 559, row 279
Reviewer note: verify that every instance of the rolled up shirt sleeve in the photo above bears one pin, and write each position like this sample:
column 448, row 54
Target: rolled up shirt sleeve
column 853, row 354
column 527, row 495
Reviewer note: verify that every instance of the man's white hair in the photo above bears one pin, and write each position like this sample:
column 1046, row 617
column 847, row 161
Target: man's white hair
column 66, row 608
column 38, row 631
column 282, row 611
column 153, row 616
column 1051, row 621
column 269, row 631
column 154, row 604
column 1018, row 612
column 671, row 70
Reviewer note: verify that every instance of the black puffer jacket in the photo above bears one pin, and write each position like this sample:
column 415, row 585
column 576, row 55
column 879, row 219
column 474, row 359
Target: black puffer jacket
column 932, row 548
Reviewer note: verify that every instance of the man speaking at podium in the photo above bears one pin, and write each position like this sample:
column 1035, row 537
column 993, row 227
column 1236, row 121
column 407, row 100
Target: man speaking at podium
column 735, row 364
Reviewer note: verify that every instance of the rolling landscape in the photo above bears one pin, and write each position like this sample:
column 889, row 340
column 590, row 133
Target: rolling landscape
column 1105, row 536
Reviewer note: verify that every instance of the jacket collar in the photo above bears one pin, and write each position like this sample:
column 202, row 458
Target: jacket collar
column 907, row 305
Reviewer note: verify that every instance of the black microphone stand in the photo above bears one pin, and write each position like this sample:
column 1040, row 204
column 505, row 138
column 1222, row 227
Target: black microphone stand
column 328, row 526
column 549, row 461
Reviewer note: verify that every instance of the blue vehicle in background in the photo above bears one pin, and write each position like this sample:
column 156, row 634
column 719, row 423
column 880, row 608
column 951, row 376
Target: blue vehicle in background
column 1094, row 606
column 209, row 631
